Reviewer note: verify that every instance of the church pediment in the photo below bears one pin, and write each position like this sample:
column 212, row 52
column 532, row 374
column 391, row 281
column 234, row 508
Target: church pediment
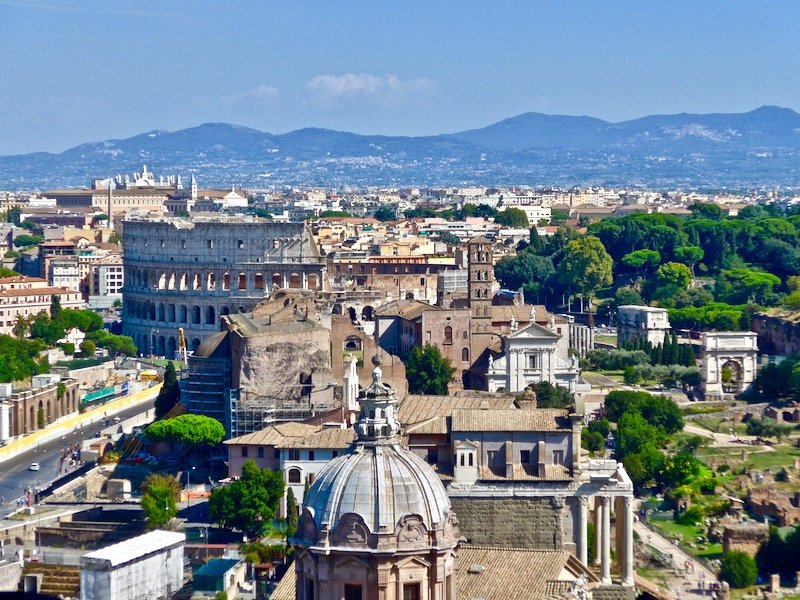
column 534, row 331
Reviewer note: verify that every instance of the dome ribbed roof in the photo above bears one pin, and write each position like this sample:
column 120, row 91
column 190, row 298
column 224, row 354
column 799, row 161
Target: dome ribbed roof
column 378, row 487
column 382, row 484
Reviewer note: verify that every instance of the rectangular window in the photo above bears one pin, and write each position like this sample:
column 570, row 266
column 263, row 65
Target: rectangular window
column 310, row 455
column 491, row 457
column 558, row 457
column 240, row 244
column 294, row 454
column 260, row 452
column 525, row 457
column 334, row 454
column 210, row 243
column 533, row 361
column 411, row 591
column 277, row 453
column 352, row 592
column 244, row 451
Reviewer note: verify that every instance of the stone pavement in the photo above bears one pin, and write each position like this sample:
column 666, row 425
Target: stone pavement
column 688, row 574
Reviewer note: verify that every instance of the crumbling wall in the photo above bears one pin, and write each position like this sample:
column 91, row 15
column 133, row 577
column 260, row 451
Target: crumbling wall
column 745, row 537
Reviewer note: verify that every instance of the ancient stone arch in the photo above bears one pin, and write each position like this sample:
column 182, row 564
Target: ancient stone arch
column 729, row 362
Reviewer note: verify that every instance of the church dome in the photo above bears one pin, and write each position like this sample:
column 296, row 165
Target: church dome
column 378, row 493
column 381, row 484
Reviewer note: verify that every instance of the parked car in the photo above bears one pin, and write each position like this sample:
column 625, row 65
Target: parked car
column 34, row 466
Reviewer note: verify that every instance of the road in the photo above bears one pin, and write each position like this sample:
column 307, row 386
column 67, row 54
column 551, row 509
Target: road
column 15, row 473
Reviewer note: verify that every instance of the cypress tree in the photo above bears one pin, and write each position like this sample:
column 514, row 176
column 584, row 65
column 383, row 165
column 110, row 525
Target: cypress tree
column 666, row 351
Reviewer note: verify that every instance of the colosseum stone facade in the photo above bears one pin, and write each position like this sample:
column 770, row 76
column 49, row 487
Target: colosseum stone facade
column 188, row 272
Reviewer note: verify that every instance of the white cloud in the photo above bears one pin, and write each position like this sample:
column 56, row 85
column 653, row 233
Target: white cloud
column 334, row 89
column 259, row 94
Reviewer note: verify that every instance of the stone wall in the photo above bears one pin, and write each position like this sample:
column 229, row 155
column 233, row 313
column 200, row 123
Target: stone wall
column 745, row 537
column 516, row 522
column 778, row 331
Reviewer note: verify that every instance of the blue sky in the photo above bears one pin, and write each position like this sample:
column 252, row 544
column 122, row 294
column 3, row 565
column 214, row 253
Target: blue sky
column 74, row 71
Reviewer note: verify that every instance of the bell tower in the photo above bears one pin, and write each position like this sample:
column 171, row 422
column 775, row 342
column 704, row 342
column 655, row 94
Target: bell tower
column 480, row 280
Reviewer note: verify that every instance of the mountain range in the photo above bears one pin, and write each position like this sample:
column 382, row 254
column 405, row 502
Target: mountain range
column 760, row 148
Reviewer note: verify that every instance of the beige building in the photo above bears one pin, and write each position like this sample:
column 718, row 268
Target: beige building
column 22, row 296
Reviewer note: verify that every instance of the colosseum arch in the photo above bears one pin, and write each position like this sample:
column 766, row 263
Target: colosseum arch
column 172, row 347
column 211, row 282
column 183, row 282
column 211, row 315
column 162, row 281
column 224, row 311
column 313, row 282
column 242, row 281
column 160, row 316
column 196, row 282
column 196, row 315
column 226, row 281
column 170, row 313
column 258, row 281
column 182, row 313
column 295, row 281
column 277, row 280
column 171, row 281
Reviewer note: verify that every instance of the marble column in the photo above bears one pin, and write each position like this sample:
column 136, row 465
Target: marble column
column 598, row 530
column 627, row 543
column 583, row 534
column 605, row 537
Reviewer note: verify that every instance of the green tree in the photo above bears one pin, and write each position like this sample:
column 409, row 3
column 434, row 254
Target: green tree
column 627, row 295
column 738, row 569
column 512, row 217
column 248, row 503
column 745, row 285
column 170, row 392
column 21, row 326
column 188, row 430
column 24, row 240
column 586, row 268
column 689, row 256
column 552, row 396
column 673, row 274
column 160, row 494
column 641, row 261
column 40, row 421
column 88, row 348
column 291, row 514
column 385, row 214
column 427, row 371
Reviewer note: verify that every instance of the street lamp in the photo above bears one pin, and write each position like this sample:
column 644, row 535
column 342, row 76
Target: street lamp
column 187, row 486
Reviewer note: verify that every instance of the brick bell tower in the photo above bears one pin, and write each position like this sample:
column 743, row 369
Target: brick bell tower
column 480, row 281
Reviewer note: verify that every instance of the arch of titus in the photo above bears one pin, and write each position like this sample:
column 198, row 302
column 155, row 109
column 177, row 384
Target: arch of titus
column 189, row 272
column 729, row 362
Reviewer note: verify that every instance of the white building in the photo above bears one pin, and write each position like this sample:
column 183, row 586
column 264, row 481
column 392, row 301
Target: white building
column 529, row 356
column 641, row 322
column 64, row 273
column 107, row 279
column 147, row 566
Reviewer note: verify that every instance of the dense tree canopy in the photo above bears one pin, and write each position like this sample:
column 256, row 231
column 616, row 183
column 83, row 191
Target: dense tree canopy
column 170, row 393
column 512, row 217
column 427, row 371
column 188, row 429
column 248, row 503
column 160, row 494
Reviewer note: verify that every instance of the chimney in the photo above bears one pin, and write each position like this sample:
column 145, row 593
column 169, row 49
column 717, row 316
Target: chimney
column 540, row 458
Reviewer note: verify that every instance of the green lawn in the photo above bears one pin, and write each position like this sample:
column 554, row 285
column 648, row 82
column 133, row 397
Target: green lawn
column 687, row 534
column 783, row 456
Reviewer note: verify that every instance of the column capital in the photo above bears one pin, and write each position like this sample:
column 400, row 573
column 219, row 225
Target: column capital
column 584, row 501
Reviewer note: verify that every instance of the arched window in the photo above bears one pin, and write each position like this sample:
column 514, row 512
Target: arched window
column 448, row 335
column 242, row 281
column 465, row 354
column 259, row 281
column 462, row 460
column 471, row 460
column 294, row 476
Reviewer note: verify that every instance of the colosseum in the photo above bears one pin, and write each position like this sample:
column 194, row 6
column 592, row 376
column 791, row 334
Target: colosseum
column 188, row 272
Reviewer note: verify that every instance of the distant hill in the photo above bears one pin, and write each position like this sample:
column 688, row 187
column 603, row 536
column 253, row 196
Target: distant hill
column 757, row 148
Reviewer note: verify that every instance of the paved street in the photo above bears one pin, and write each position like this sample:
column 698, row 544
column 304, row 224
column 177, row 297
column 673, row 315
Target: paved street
column 689, row 575
column 15, row 473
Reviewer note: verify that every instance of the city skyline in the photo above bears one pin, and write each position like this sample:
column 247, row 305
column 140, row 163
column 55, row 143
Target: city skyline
column 88, row 71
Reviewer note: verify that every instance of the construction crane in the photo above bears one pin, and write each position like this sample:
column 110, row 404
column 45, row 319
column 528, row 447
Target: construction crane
column 182, row 345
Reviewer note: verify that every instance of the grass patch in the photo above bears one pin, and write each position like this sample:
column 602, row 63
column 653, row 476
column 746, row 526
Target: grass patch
column 686, row 535
column 606, row 338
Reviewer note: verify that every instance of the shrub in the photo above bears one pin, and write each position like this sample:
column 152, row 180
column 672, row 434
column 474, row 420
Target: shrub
column 693, row 514
column 738, row 569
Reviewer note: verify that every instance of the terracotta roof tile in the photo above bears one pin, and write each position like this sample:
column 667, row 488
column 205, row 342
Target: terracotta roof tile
column 537, row 419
